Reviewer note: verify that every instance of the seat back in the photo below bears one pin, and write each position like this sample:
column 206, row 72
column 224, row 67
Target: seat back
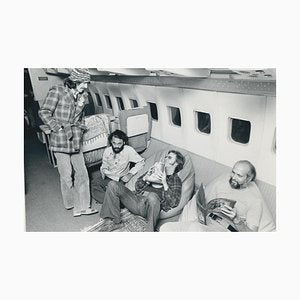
column 136, row 123
column 95, row 139
column 187, row 176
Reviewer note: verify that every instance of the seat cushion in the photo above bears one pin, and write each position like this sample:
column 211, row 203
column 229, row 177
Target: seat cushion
column 187, row 176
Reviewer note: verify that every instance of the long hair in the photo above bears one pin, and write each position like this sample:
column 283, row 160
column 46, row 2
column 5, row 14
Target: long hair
column 179, row 159
column 70, row 83
column 120, row 135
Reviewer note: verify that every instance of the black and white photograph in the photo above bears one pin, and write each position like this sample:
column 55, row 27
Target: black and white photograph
column 149, row 149
column 126, row 149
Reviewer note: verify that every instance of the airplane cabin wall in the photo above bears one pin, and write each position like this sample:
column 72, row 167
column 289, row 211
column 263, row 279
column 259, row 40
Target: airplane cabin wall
column 41, row 83
column 199, row 142
column 267, row 155
column 127, row 93
column 103, row 90
column 245, row 107
column 218, row 145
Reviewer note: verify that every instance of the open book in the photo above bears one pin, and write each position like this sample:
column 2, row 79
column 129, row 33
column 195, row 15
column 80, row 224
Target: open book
column 213, row 207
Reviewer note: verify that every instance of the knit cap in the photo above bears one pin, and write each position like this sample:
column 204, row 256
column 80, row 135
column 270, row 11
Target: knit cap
column 80, row 75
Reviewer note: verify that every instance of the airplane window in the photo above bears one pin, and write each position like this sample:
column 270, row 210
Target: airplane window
column 133, row 103
column 175, row 115
column 108, row 101
column 204, row 124
column 240, row 130
column 98, row 99
column 89, row 109
column 153, row 109
column 120, row 103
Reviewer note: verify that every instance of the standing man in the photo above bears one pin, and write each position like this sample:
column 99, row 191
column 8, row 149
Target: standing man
column 149, row 205
column 249, row 213
column 115, row 166
column 62, row 111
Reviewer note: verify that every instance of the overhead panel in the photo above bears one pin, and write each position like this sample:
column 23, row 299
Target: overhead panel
column 190, row 72
column 64, row 70
column 127, row 71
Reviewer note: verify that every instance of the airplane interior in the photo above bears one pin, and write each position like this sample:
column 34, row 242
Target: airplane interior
column 215, row 117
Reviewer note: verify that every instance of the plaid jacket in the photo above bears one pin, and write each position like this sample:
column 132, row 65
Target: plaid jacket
column 60, row 110
column 169, row 198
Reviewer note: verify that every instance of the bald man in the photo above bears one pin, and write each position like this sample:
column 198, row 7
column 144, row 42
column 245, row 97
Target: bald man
column 249, row 213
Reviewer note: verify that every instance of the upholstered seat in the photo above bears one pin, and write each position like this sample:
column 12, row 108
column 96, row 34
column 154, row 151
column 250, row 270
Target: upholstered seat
column 187, row 176
column 136, row 123
column 95, row 138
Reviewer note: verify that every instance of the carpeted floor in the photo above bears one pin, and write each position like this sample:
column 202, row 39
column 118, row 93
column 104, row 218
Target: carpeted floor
column 129, row 223
column 43, row 202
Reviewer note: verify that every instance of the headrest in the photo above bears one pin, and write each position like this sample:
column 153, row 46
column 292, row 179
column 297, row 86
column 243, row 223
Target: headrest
column 188, row 168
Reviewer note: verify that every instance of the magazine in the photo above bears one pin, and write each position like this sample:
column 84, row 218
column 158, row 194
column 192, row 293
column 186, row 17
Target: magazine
column 213, row 208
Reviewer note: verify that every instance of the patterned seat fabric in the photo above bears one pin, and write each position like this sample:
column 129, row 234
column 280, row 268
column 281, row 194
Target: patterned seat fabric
column 95, row 138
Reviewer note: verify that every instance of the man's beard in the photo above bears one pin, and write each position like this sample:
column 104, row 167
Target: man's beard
column 234, row 184
column 117, row 150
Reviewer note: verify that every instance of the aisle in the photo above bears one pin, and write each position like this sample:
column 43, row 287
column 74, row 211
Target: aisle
column 43, row 201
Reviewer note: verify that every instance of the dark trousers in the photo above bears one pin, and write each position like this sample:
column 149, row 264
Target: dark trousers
column 98, row 187
column 145, row 206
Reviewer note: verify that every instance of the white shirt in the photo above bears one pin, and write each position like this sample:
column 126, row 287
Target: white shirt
column 116, row 165
column 250, row 204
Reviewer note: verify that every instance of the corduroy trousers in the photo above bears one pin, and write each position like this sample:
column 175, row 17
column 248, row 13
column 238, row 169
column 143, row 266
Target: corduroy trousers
column 75, row 191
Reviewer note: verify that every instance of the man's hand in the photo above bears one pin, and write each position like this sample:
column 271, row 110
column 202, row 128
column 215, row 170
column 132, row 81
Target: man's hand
column 162, row 176
column 237, row 220
column 228, row 211
column 150, row 171
column 146, row 178
column 102, row 174
column 127, row 177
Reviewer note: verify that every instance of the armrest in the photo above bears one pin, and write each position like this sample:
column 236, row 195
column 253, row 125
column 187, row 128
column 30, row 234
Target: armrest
column 45, row 129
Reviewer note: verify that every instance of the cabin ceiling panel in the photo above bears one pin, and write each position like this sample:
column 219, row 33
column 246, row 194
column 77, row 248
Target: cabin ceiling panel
column 250, row 87
column 126, row 71
column 241, row 81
